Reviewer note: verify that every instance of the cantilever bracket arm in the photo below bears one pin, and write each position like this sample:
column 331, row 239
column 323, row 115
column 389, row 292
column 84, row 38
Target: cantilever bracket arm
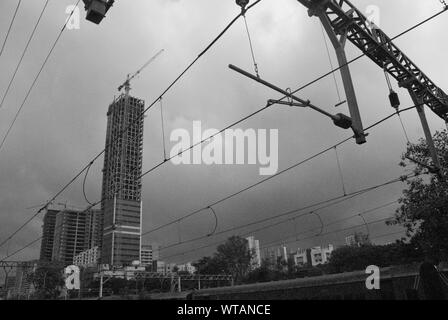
column 291, row 104
column 339, row 119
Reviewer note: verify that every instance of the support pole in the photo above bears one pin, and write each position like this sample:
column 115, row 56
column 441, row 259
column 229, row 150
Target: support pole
column 101, row 286
column 339, row 120
column 426, row 130
column 352, row 102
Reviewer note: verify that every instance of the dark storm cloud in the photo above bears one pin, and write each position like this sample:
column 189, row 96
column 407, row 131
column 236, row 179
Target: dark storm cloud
column 63, row 124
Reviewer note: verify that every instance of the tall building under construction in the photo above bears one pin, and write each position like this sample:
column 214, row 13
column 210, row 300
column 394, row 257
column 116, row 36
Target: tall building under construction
column 122, row 185
column 69, row 235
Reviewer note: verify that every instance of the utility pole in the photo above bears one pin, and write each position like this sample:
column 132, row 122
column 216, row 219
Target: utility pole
column 427, row 131
column 101, row 286
column 339, row 45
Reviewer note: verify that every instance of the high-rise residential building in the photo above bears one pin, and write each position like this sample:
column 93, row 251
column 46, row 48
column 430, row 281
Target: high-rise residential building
column 69, row 235
column 282, row 253
column 254, row 247
column 321, row 255
column 87, row 258
column 122, row 185
column 94, row 230
column 276, row 257
column 146, row 255
column 46, row 247
column 357, row 239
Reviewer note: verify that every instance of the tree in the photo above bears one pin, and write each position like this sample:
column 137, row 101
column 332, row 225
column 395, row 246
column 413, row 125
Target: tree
column 424, row 205
column 346, row 259
column 233, row 257
column 48, row 280
column 208, row 265
column 265, row 273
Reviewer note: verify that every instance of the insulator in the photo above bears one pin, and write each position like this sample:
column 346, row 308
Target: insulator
column 394, row 100
column 343, row 121
column 242, row 3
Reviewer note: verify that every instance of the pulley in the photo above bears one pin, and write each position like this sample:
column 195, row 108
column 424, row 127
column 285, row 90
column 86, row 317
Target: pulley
column 342, row 121
column 393, row 96
column 394, row 99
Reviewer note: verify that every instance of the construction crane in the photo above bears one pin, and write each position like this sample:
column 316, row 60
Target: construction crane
column 343, row 21
column 127, row 84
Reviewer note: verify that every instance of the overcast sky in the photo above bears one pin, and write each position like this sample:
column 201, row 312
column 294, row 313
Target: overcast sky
column 63, row 124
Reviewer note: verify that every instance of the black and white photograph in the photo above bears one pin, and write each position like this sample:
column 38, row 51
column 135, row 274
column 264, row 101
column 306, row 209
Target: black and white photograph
column 223, row 155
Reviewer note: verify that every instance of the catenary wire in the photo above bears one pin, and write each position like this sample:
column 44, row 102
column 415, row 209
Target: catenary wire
column 10, row 27
column 5, row 137
column 101, row 153
column 260, row 110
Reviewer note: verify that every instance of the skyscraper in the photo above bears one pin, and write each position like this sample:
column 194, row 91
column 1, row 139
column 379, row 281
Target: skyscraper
column 254, row 247
column 94, row 229
column 69, row 235
column 46, row 247
column 122, row 185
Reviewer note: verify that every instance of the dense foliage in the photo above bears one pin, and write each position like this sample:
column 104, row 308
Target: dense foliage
column 424, row 205
column 233, row 257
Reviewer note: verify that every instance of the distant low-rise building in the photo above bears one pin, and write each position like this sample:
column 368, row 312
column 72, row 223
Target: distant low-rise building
column 48, row 227
column 275, row 255
column 302, row 257
column 313, row 256
column 187, row 267
column 163, row 267
column 88, row 258
column 69, row 235
column 321, row 255
column 357, row 239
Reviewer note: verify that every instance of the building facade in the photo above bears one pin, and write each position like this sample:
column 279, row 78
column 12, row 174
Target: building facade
column 276, row 257
column 146, row 255
column 88, row 258
column 69, row 235
column 187, row 267
column 313, row 256
column 94, row 230
column 121, row 187
column 46, row 246
column 254, row 248
column 357, row 239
